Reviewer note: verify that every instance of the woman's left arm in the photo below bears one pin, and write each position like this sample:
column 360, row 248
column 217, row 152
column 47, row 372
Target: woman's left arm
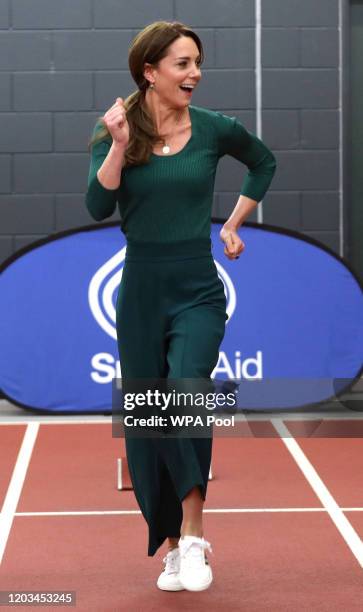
column 235, row 140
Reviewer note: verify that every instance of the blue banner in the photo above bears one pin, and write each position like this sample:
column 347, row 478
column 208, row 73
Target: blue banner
column 295, row 319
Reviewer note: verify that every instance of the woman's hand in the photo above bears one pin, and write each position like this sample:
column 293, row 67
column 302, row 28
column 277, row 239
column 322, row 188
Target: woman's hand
column 116, row 123
column 233, row 244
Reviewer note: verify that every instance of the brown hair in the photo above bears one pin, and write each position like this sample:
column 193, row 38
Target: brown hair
column 149, row 46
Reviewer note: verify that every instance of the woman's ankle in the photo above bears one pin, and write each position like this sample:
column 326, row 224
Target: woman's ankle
column 172, row 543
column 191, row 531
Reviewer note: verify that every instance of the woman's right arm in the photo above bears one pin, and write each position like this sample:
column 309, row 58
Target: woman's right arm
column 107, row 158
column 104, row 178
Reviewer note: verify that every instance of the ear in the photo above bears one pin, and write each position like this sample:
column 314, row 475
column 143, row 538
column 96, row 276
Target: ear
column 148, row 72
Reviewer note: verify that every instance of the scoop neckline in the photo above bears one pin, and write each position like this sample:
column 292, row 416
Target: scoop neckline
column 186, row 144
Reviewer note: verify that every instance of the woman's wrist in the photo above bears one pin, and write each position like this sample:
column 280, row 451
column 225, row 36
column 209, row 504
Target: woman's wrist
column 118, row 147
column 109, row 174
column 229, row 225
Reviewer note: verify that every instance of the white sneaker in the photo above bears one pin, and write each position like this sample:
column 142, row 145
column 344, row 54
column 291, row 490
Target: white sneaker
column 195, row 572
column 169, row 578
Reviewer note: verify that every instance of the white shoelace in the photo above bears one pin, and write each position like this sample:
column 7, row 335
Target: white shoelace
column 171, row 561
column 193, row 551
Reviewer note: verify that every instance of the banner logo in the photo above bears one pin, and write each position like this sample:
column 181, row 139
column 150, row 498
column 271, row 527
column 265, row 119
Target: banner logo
column 101, row 289
column 107, row 279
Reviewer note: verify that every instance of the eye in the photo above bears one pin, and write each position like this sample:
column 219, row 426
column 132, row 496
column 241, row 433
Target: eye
column 198, row 63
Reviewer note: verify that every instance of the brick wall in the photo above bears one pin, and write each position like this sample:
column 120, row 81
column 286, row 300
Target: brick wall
column 63, row 63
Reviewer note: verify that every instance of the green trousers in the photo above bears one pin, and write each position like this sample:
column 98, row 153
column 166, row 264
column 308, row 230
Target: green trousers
column 170, row 321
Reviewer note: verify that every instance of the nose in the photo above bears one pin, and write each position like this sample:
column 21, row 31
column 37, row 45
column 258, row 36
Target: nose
column 195, row 73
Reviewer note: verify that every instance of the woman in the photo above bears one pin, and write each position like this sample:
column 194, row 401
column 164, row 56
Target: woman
column 156, row 155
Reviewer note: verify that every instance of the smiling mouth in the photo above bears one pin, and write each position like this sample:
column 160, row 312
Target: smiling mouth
column 186, row 90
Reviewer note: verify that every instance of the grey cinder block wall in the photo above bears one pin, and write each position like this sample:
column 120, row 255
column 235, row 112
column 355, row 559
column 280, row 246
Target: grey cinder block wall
column 62, row 64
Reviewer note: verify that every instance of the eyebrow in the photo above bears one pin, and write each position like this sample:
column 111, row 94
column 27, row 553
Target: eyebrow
column 188, row 57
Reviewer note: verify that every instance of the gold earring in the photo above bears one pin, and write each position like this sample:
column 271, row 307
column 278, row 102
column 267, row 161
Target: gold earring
column 151, row 85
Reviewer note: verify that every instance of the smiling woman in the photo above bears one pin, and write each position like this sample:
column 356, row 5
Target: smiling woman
column 170, row 90
column 163, row 58
column 157, row 155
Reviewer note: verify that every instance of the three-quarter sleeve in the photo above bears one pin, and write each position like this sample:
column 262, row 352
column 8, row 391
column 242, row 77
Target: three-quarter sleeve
column 235, row 140
column 100, row 202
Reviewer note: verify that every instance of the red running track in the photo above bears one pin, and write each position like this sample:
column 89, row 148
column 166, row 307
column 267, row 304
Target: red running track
column 277, row 546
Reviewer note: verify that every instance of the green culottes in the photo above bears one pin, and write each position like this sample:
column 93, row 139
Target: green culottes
column 170, row 321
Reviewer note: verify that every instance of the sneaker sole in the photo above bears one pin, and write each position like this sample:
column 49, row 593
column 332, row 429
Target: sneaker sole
column 201, row 587
column 164, row 588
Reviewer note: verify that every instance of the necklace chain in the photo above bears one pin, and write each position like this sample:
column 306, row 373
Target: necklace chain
column 166, row 146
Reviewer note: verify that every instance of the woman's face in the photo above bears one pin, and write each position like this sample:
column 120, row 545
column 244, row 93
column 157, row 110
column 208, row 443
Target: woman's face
column 180, row 66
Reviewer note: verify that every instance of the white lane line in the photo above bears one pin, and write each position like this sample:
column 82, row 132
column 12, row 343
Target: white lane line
column 58, row 421
column 16, row 484
column 243, row 418
column 341, row 522
column 207, row 511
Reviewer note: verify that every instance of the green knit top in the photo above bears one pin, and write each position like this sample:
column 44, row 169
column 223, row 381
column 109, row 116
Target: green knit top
column 170, row 197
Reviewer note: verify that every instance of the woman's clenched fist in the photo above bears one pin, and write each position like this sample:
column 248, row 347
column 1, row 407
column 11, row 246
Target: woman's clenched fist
column 116, row 122
column 233, row 243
